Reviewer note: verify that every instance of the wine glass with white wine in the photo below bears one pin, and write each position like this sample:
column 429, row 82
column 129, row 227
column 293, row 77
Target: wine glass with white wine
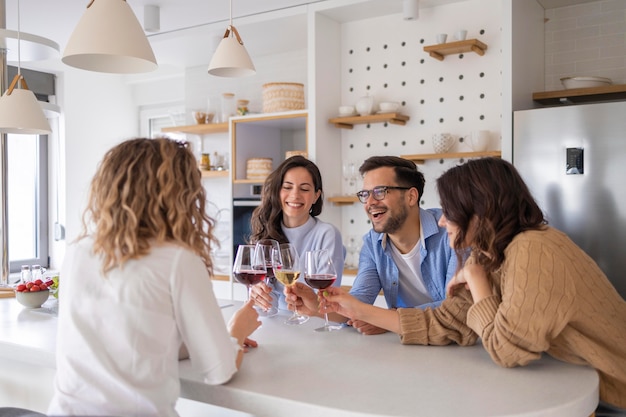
column 287, row 270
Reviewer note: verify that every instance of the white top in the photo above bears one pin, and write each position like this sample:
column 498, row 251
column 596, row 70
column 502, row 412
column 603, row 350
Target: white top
column 119, row 335
column 412, row 289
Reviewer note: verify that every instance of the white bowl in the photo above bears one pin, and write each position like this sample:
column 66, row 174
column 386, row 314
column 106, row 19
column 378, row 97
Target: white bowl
column 585, row 82
column 388, row 106
column 346, row 110
column 32, row 299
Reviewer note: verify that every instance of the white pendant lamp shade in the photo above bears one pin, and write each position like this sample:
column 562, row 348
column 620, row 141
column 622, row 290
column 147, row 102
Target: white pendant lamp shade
column 109, row 38
column 231, row 58
column 21, row 113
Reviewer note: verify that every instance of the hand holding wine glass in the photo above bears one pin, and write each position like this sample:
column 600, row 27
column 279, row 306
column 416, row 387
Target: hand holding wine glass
column 249, row 268
column 287, row 270
column 263, row 297
column 320, row 273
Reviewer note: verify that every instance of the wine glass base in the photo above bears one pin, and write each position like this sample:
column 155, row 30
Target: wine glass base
column 297, row 319
column 329, row 328
column 266, row 313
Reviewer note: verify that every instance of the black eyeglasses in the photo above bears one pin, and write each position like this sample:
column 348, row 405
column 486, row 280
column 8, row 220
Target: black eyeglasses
column 379, row 193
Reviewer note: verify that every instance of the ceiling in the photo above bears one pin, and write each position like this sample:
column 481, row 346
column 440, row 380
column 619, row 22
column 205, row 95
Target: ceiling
column 191, row 29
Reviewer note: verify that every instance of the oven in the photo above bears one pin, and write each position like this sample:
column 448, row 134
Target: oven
column 245, row 200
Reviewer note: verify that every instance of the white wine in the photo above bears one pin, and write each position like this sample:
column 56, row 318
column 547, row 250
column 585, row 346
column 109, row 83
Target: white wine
column 286, row 277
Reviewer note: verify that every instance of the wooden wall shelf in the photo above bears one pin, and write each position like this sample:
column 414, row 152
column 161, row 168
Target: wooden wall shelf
column 343, row 200
column 582, row 95
column 441, row 50
column 214, row 174
column 349, row 121
column 198, row 129
column 422, row 158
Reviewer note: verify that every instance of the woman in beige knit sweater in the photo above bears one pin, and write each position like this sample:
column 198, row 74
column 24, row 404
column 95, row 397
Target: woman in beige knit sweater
column 525, row 289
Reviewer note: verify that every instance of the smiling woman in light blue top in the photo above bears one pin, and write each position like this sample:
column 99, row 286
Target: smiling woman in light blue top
column 292, row 199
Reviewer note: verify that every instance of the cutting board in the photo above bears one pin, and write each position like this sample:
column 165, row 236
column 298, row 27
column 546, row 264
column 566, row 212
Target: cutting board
column 7, row 293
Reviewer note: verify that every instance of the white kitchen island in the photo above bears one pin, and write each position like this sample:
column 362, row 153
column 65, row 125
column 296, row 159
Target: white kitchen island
column 296, row 371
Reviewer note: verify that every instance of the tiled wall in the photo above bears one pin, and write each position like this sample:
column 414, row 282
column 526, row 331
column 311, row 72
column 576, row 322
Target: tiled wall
column 586, row 40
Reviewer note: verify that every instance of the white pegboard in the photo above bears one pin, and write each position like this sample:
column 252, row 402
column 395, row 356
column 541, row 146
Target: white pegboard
column 384, row 57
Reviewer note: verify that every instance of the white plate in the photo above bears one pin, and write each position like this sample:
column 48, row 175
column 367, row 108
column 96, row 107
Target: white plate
column 584, row 82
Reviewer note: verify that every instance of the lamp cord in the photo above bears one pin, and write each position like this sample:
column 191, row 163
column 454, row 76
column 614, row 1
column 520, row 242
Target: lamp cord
column 19, row 52
column 230, row 12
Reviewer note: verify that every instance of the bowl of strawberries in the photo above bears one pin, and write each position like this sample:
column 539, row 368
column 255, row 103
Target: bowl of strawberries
column 32, row 294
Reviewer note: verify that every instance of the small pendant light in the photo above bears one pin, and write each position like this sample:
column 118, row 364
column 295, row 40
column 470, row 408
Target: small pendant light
column 231, row 58
column 20, row 111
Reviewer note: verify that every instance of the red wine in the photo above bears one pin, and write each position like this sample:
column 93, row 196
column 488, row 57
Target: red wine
column 320, row 281
column 270, row 270
column 250, row 277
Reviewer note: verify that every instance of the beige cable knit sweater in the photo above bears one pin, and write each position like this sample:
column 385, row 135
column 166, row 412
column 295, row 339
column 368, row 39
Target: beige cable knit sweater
column 549, row 297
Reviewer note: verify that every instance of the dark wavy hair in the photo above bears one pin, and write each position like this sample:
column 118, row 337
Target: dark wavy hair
column 488, row 200
column 267, row 217
column 407, row 174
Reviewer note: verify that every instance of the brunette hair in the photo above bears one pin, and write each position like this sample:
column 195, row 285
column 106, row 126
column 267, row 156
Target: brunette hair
column 147, row 191
column 489, row 197
column 407, row 174
column 267, row 217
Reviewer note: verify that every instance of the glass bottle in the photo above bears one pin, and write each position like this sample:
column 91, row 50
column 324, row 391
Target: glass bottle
column 228, row 106
column 26, row 275
column 37, row 272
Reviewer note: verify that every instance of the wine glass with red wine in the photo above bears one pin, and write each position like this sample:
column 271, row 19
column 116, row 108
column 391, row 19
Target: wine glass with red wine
column 320, row 273
column 249, row 268
column 267, row 246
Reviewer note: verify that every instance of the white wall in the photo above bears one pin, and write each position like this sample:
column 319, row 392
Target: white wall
column 98, row 112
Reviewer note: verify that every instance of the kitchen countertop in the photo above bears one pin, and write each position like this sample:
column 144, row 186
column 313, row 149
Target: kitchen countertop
column 297, row 371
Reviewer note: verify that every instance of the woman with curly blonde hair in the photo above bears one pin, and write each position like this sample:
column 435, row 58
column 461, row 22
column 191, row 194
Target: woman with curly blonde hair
column 137, row 289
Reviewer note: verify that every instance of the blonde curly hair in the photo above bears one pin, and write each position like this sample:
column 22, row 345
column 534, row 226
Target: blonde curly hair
column 147, row 191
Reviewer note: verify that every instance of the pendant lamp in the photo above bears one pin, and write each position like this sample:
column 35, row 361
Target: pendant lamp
column 231, row 58
column 109, row 38
column 20, row 111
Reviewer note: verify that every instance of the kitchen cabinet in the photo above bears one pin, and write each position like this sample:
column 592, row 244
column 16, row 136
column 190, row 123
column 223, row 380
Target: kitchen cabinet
column 581, row 95
column 265, row 136
column 439, row 51
column 348, row 122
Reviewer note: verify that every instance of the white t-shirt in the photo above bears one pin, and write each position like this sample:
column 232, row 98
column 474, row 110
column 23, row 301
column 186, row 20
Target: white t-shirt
column 411, row 290
column 119, row 335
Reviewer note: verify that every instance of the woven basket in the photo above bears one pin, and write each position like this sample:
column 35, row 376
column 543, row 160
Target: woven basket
column 279, row 97
column 258, row 168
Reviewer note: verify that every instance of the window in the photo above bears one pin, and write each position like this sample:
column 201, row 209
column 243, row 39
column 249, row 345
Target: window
column 27, row 200
column 27, row 185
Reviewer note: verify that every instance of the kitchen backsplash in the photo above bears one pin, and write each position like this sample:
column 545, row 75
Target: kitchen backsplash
column 586, row 40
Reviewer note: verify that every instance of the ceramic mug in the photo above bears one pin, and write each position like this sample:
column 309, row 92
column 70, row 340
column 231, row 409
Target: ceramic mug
column 442, row 37
column 460, row 35
column 479, row 140
column 442, row 142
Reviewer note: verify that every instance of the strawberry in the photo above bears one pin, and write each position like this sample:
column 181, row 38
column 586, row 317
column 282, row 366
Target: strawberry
column 29, row 285
column 35, row 288
column 21, row 288
column 38, row 282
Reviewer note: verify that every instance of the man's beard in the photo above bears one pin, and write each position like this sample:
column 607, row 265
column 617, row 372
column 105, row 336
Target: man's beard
column 393, row 223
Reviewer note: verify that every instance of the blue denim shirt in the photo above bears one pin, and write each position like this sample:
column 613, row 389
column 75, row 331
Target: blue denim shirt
column 377, row 270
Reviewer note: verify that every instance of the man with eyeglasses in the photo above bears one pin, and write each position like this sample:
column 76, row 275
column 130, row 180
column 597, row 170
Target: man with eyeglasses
column 406, row 254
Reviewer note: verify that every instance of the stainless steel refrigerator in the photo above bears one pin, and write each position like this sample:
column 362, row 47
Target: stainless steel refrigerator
column 573, row 159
